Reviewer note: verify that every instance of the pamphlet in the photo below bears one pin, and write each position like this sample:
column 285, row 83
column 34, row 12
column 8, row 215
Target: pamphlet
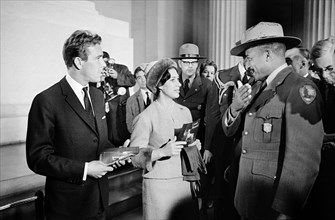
column 189, row 132
column 112, row 155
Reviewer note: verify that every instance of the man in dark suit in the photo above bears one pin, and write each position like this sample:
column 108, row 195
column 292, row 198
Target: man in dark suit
column 217, row 143
column 141, row 99
column 67, row 131
column 279, row 128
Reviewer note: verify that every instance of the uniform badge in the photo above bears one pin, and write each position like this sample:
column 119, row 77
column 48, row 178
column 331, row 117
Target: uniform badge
column 307, row 93
column 267, row 127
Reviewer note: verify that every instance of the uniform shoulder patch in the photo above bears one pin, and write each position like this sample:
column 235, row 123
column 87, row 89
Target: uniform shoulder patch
column 307, row 93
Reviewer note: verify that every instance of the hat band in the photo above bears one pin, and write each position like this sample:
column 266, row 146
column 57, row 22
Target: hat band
column 189, row 55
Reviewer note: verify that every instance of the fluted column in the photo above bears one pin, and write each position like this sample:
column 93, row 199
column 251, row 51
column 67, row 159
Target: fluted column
column 227, row 20
column 319, row 20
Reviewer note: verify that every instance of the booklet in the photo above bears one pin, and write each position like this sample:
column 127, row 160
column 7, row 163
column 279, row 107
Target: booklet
column 112, row 155
column 189, row 132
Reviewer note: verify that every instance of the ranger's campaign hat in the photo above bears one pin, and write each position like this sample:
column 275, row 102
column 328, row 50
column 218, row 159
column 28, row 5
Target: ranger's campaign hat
column 156, row 72
column 262, row 33
column 189, row 51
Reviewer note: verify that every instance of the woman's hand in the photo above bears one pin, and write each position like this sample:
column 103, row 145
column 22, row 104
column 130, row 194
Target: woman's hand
column 196, row 143
column 171, row 148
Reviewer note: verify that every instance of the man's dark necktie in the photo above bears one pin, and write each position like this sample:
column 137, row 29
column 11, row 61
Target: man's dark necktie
column 186, row 88
column 245, row 79
column 259, row 91
column 88, row 107
column 148, row 102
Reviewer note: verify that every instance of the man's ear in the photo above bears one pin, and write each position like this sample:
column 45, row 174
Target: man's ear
column 179, row 63
column 77, row 62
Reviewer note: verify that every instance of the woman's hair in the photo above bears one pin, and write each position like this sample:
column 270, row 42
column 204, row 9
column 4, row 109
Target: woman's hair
column 166, row 76
column 208, row 63
column 76, row 45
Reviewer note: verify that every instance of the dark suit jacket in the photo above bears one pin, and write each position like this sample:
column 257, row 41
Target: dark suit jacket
column 220, row 99
column 116, row 117
column 281, row 147
column 60, row 140
column 135, row 105
column 195, row 100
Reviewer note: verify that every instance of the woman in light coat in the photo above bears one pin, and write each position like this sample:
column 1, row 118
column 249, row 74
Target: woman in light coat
column 165, row 194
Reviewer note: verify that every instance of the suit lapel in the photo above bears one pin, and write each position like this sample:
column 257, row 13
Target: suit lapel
column 196, row 86
column 181, row 89
column 99, row 112
column 72, row 100
column 140, row 101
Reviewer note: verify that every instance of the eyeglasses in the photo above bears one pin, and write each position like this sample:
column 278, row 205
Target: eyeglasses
column 190, row 63
column 322, row 70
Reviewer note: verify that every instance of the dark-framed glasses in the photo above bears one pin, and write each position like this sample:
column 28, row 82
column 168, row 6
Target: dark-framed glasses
column 192, row 63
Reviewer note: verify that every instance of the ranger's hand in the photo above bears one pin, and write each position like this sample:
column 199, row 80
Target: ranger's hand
column 241, row 99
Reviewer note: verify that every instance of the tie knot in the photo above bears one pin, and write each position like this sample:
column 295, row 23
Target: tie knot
column 245, row 79
column 186, row 82
column 85, row 89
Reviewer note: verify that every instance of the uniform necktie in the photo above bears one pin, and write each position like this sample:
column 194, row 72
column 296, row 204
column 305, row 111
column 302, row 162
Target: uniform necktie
column 88, row 107
column 148, row 102
column 259, row 91
column 186, row 88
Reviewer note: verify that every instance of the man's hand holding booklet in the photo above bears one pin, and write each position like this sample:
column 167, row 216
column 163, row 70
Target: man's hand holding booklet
column 112, row 156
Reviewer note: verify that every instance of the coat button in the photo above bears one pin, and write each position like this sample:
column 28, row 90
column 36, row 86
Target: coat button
column 225, row 94
column 95, row 140
column 250, row 113
column 244, row 151
column 246, row 133
column 275, row 177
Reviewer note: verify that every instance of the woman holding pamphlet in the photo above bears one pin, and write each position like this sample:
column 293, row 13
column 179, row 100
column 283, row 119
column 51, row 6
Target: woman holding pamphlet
column 167, row 165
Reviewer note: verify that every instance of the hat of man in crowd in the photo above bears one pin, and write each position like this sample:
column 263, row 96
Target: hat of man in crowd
column 156, row 72
column 189, row 51
column 262, row 33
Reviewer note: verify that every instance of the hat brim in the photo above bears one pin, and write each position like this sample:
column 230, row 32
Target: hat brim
column 289, row 41
column 186, row 58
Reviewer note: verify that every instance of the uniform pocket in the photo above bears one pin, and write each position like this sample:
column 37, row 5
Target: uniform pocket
column 264, row 168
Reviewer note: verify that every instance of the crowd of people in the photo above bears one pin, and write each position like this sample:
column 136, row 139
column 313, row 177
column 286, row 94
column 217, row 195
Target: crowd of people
column 264, row 146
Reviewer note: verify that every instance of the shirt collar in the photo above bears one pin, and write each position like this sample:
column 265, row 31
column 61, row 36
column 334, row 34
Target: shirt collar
column 241, row 69
column 275, row 73
column 76, row 87
column 144, row 92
